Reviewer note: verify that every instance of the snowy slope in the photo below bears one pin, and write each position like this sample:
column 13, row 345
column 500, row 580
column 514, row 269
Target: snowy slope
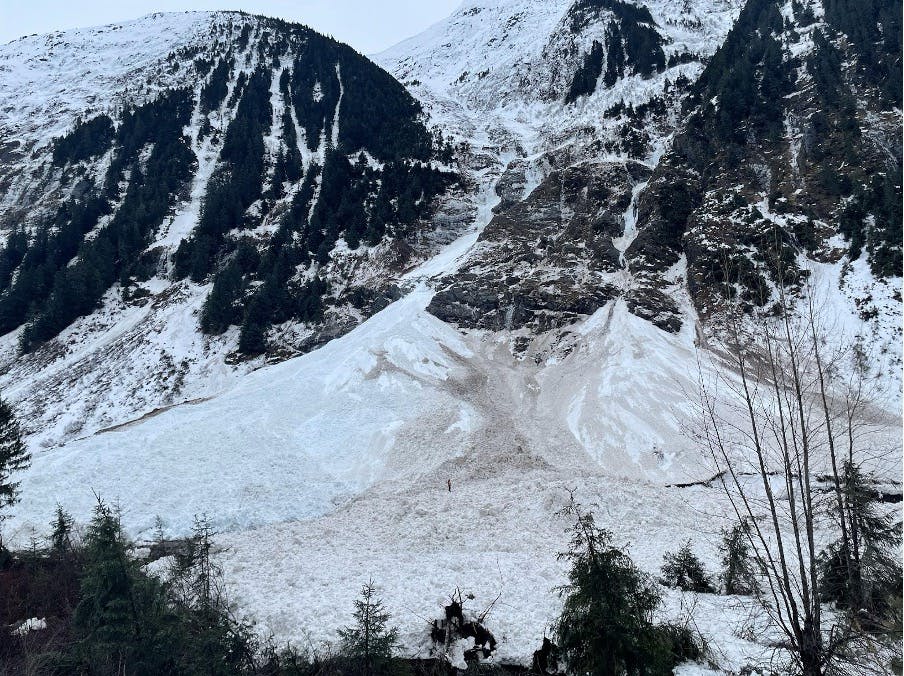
column 405, row 396
column 48, row 82
column 507, row 65
column 332, row 467
column 51, row 80
column 127, row 359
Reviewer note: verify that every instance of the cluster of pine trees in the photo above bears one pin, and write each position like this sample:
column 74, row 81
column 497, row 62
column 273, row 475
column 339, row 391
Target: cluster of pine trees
column 89, row 139
column 236, row 184
column 59, row 276
column 743, row 101
column 870, row 215
column 633, row 41
column 745, row 82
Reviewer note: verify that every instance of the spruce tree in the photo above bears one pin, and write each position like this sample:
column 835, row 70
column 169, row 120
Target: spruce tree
column 862, row 574
column 219, row 311
column 684, row 571
column 61, row 533
column 215, row 643
column 368, row 644
column 738, row 576
column 120, row 618
column 14, row 456
column 606, row 626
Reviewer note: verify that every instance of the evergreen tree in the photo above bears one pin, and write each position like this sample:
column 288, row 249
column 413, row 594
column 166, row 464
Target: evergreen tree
column 61, row 533
column 220, row 310
column 684, row 571
column 585, row 80
column 14, row 456
column 606, row 623
column 216, row 645
column 738, row 576
column 253, row 336
column 368, row 644
column 88, row 139
column 862, row 574
column 120, row 620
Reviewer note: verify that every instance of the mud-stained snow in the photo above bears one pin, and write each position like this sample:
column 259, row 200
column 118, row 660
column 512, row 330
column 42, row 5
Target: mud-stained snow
column 331, row 468
column 397, row 398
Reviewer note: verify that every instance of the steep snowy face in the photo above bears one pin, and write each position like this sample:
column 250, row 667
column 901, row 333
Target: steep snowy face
column 185, row 187
column 50, row 81
column 565, row 66
column 786, row 178
column 505, row 53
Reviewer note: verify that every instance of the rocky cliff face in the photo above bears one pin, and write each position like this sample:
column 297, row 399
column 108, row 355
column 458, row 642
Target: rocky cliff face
column 549, row 259
column 789, row 155
column 581, row 98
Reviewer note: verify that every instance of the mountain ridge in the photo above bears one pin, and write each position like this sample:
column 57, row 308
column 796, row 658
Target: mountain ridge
column 544, row 326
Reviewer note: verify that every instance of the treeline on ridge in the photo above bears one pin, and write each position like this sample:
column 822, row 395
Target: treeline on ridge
column 48, row 290
column 59, row 270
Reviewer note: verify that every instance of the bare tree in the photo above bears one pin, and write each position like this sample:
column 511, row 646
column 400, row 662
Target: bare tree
column 784, row 427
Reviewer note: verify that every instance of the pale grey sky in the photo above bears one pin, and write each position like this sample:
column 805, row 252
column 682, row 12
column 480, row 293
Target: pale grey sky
column 368, row 25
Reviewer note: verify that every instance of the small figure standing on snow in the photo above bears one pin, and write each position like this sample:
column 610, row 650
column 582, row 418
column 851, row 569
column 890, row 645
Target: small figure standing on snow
column 449, row 484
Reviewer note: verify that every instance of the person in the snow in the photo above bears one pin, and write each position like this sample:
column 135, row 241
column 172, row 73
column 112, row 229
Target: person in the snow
column 449, row 484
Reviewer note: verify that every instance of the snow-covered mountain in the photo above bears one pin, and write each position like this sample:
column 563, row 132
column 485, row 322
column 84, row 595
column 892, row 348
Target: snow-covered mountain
column 313, row 365
column 274, row 214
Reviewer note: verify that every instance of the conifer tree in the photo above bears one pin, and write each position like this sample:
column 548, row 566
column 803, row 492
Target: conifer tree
column 368, row 644
column 61, row 533
column 862, row 572
column 220, row 311
column 14, row 456
column 683, row 570
column 119, row 619
column 606, row 623
column 738, row 576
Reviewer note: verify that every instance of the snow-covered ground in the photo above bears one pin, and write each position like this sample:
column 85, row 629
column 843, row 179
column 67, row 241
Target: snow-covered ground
column 400, row 397
column 49, row 81
column 331, row 468
column 501, row 69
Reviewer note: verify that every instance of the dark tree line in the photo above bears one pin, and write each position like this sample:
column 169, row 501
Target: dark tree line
column 747, row 78
column 235, row 185
column 836, row 124
column 214, row 91
column 354, row 200
column 89, row 139
column 874, row 27
column 53, row 275
column 59, row 276
column 633, row 45
column 377, row 112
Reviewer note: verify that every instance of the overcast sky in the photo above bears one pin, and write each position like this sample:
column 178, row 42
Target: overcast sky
column 368, row 25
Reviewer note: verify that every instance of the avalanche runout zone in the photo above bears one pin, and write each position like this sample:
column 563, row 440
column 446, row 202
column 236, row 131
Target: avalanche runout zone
column 335, row 467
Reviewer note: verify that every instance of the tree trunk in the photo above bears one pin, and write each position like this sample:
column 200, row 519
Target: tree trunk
column 811, row 651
